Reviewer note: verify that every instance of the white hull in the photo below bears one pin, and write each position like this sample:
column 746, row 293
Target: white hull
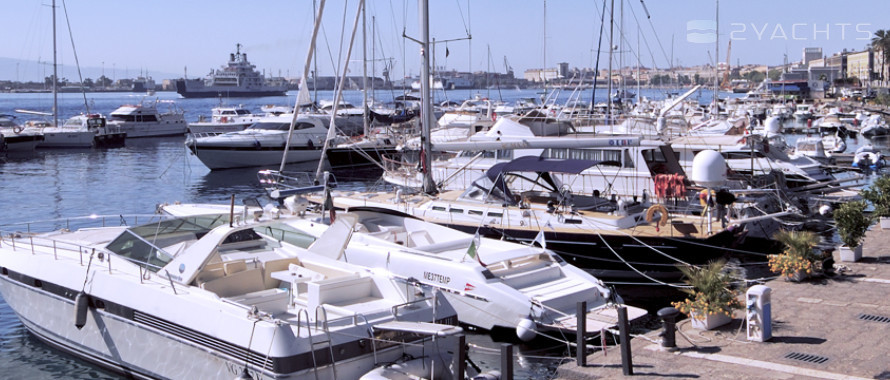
column 67, row 139
column 154, row 129
column 230, row 159
column 136, row 348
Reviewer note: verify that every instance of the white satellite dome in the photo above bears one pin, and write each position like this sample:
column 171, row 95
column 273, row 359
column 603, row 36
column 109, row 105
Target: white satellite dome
column 708, row 169
column 773, row 125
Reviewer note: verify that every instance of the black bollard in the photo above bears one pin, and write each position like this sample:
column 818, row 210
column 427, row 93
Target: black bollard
column 626, row 360
column 668, row 336
column 507, row 361
column 581, row 349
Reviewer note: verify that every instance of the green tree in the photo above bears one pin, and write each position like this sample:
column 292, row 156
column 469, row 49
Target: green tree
column 774, row 74
column 881, row 43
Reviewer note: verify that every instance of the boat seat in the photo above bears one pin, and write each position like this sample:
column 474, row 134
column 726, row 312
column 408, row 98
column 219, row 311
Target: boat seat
column 233, row 267
column 340, row 291
column 273, row 301
column 419, row 239
column 239, row 283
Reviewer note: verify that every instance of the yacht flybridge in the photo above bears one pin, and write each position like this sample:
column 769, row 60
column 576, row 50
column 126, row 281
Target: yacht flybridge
column 206, row 297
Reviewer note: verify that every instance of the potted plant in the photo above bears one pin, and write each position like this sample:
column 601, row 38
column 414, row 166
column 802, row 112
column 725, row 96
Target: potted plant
column 851, row 224
column 799, row 260
column 878, row 194
column 712, row 297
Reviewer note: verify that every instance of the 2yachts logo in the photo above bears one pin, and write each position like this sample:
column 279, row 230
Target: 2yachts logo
column 705, row 31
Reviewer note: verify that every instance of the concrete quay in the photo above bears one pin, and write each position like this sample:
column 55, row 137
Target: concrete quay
column 839, row 325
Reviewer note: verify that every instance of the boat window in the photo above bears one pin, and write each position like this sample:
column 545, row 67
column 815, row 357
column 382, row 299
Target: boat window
column 243, row 112
column 496, row 214
column 474, row 212
column 587, row 154
column 287, row 234
column 457, row 211
column 149, row 244
column 438, row 208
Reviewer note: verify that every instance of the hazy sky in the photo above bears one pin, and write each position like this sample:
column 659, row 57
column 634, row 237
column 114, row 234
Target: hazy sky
column 166, row 36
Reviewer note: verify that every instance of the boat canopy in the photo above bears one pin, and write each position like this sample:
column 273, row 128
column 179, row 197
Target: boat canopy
column 492, row 187
column 540, row 164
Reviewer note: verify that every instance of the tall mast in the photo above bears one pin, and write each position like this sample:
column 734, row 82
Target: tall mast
column 611, row 45
column 55, row 73
column 303, row 83
column 545, row 49
column 716, row 61
column 365, row 127
column 426, row 113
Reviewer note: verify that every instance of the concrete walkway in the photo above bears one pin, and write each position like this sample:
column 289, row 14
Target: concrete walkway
column 841, row 323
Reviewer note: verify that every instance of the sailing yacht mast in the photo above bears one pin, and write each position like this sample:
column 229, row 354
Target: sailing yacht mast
column 429, row 186
column 303, row 85
column 55, row 73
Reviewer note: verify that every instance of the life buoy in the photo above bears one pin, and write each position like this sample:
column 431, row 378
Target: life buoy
column 703, row 197
column 224, row 119
column 650, row 215
column 18, row 129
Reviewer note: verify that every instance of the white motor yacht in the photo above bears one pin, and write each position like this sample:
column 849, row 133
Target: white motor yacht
column 82, row 131
column 261, row 144
column 490, row 283
column 225, row 119
column 207, row 297
column 145, row 120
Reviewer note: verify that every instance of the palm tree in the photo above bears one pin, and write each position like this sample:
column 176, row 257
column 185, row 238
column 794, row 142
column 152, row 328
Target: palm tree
column 881, row 41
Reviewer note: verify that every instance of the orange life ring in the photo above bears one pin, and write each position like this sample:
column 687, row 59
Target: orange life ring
column 650, row 215
column 224, row 119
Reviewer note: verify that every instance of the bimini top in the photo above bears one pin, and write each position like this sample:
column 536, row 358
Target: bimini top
column 540, row 164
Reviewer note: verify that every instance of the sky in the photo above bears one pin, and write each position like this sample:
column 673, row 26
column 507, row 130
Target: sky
column 173, row 38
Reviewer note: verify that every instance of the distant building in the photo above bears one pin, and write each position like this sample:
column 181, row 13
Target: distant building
column 861, row 65
column 811, row 54
column 540, row 75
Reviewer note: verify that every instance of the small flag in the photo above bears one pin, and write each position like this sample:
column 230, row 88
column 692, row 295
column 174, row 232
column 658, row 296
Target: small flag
column 447, row 52
column 474, row 246
column 468, row 287
column 540, row 240
column 329, row 205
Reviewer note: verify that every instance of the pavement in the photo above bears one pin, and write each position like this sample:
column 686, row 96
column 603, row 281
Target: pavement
column 829, row 327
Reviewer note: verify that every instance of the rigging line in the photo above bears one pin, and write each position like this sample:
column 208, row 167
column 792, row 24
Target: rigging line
column 76, row 61
column 649, row 48
column 461, row 11
column 598, row 225
column 637, row 270
column 342, row 36
column 599, row 48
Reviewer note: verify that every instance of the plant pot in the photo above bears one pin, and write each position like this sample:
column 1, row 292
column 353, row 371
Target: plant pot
column 885, row 223
column 798, row 276
column 710, row 322
column 850, row 255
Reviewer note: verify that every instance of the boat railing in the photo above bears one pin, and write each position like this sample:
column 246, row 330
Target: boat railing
column 283, row 184
column 89, row 221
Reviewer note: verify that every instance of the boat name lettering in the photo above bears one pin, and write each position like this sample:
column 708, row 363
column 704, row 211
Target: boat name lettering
column 620, row 142
column 442, row 279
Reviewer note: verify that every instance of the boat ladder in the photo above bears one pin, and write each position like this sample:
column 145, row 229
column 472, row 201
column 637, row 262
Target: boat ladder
column 326, row 341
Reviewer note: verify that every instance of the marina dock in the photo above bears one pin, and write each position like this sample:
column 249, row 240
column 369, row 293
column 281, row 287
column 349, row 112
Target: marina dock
column 830, row 327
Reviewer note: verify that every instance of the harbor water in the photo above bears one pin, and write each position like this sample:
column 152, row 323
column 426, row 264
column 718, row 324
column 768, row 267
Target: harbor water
column 51, row 184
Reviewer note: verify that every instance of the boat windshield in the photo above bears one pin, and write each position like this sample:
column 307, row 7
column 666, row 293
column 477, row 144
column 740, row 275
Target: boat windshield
column 155, row 244
column 484, row 191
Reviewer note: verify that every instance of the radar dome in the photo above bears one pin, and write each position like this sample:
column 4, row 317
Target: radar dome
column 708, row 169
column 773, row 125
